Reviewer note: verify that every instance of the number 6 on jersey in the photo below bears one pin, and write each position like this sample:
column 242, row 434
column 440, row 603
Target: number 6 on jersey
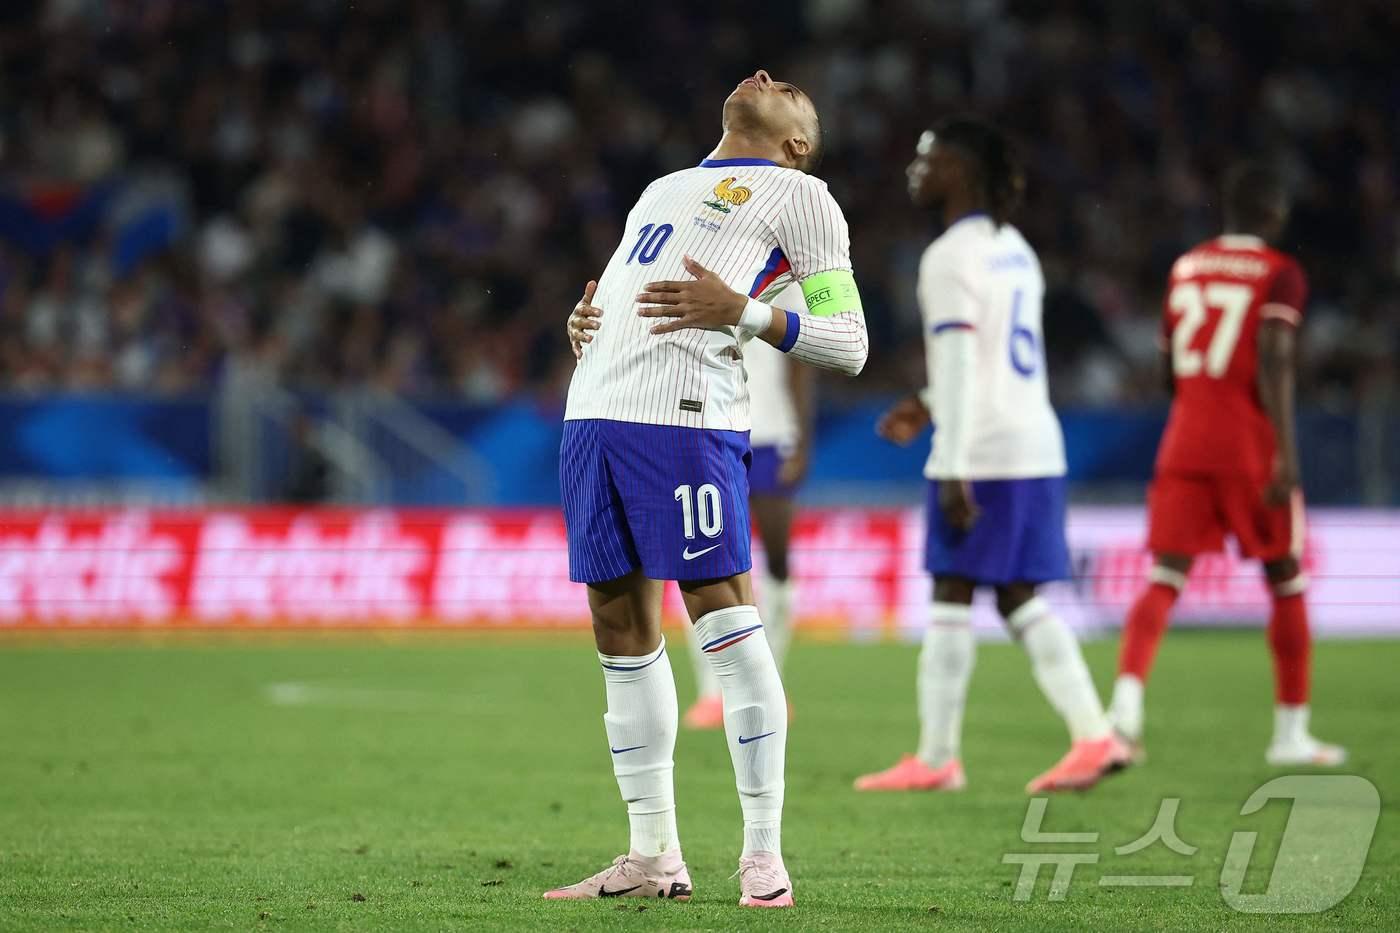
column 705, row 505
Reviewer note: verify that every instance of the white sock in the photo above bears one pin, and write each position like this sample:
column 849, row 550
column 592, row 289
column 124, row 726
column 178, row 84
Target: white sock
column 641, row 727
column 1125, row 709
column 706, row 681
column 755, row 718
column 1290, row 724
column 1059, row 669
column 775, row 597
column 945, row 669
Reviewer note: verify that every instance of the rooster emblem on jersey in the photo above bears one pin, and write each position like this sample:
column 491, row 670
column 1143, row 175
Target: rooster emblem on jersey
column 726, row 195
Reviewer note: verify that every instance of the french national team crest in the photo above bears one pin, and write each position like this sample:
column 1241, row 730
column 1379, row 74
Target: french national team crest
column 727, row 196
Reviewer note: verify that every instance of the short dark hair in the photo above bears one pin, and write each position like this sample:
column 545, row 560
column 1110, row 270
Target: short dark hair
column 993, row 155
column 1254, row 194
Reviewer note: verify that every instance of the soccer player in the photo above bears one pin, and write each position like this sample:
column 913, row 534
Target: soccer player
column 780, row 436
column 1228, row 462
column 654, row 462
column 996, row 496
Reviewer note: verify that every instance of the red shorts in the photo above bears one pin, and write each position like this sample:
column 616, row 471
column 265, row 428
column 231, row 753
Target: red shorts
column 1191, row 514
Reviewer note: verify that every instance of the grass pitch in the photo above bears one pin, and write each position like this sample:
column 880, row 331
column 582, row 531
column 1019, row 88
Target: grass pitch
column 432, row 783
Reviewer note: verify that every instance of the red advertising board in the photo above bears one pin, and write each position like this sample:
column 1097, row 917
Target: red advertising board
column 859, row 570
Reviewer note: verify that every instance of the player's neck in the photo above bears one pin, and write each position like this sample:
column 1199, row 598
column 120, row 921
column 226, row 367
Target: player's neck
column 956, row 207
column 735, row 144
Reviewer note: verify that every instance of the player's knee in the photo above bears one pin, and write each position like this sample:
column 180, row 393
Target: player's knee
column 1170, row 571
column 1286, row 577
column 1012, row 597
column 953, row 590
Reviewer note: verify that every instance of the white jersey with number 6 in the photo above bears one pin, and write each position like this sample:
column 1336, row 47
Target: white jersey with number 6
column 754, row 224
column 984, row 280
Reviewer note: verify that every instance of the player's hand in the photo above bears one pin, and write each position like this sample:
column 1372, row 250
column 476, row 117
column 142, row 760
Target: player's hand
column 959, row 508
column 1281, row 487
column 794, row 467
column 583, row 319
column 704, row 302
column 904, row 422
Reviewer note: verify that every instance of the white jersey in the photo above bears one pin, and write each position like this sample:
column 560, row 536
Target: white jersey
column 986, row 280
column 758, row 227
column 770, row 387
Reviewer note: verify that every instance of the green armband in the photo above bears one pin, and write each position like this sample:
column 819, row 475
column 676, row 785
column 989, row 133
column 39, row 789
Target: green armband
column 829, row 293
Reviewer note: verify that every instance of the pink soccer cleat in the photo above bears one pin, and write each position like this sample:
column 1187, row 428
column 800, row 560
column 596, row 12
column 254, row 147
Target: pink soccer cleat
column 1087, row 762
column 632, row 875
column 763, row 881
column 912, row 774
column 706, row 713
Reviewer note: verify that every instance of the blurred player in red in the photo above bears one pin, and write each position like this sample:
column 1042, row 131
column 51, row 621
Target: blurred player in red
column 1228, row 462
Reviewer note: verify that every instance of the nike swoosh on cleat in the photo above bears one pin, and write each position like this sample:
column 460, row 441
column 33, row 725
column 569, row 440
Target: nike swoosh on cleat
column 630, row 748
column 701, row 553
column 769, row 897
column 754, row 738
column 604, row 892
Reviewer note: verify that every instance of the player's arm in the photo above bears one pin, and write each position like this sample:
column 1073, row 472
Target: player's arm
column 950, row 314
column 812, row 234
column 1278, row 350
column 802, row 387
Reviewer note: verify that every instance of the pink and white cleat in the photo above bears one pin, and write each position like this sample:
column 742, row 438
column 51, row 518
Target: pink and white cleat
column 763, row 881
column 912, row 774
column 1087, row 761
column 705, row 713
column 632, row 875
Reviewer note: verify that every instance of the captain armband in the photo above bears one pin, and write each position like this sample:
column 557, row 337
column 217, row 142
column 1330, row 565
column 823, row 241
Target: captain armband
column 829, row 293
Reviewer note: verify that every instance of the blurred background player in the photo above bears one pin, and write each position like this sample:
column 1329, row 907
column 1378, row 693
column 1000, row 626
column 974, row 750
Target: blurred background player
column 1228, row 462
column 653, row 464
column 781, row 407
column 996, row 496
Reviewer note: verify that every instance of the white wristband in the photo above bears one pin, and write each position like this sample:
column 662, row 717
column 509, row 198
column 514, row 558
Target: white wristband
column 756, row 318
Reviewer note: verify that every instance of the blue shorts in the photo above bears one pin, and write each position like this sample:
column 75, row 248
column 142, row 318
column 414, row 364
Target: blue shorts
column 768, row 460
column 1018, row 538
column 672, row 501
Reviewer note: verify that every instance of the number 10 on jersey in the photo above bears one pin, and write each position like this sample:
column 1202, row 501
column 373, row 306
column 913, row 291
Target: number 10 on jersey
column 705, row 505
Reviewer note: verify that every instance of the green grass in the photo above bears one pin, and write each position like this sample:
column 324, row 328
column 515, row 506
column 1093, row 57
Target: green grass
column 441, row 782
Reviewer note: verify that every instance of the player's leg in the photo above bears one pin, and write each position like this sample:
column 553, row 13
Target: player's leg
column 733, row 639
column 1059, row 670
column 1184, row 519
column 1142, row 636
column 707, row 712
column 1275, row 533
column 698, row 534
column 947, row 656
column 772, row 515
column 640, row 721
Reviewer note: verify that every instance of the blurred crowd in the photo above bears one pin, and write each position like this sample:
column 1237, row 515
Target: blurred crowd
column 410, row 194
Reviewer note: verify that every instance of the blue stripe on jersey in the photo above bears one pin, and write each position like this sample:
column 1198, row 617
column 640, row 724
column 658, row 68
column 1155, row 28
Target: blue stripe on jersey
column 951, row 325
column 794, row 327
column 725, row 163
column 776, row 265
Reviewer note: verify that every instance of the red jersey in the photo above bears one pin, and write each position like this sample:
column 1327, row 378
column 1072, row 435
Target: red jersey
column 1218, row 295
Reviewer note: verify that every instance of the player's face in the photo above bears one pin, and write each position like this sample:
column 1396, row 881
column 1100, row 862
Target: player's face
column 930, row 173
column 776, row 109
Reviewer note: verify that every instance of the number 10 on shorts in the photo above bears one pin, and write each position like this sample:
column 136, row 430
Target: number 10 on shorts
column 705, row 505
